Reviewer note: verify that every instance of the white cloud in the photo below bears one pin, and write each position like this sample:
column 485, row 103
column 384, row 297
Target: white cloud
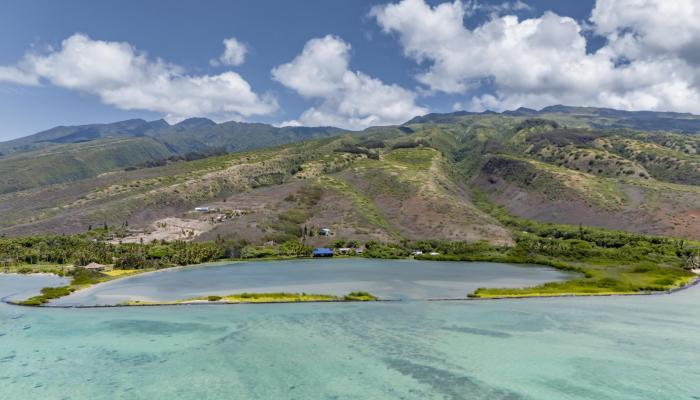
column 642, row 29
column 126, row 78
column 349, row 99
column 649, row 61
column 18, row 76
column 234, row 53
column 318, row 71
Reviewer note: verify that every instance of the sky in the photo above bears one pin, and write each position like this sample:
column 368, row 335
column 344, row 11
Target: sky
column 346, row 63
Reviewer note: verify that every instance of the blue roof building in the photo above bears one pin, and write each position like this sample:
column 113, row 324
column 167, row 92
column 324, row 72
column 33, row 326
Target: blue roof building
column 323, row 252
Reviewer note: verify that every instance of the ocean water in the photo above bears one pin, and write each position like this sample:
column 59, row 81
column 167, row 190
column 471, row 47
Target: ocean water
column 636, row 347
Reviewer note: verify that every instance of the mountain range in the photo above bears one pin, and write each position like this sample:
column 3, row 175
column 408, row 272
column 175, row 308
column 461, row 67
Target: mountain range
column 434, row 176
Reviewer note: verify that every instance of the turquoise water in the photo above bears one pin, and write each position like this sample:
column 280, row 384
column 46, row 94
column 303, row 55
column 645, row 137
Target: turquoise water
column 641, row 347
column 388, row 279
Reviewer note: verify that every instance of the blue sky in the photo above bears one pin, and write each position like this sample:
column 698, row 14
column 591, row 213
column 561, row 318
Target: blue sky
column 388, row 62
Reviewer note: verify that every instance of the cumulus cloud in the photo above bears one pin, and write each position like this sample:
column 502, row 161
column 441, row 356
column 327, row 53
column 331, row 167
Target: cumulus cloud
column 349, row 99
column 128, row 79
column 648, row 29
column 234, row 53
column 649, row 60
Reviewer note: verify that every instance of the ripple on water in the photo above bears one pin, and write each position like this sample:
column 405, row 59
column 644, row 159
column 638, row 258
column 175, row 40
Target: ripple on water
column 451, row 385
column 149, row 327
column 477, row 331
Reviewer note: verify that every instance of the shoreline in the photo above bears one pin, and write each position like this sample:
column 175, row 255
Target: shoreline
column 200, row 303
column 695, row 282
column 688, row 285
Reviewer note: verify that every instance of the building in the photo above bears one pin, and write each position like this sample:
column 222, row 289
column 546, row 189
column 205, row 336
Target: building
column 93, row 266
column 322, row 252
column 344, row 250
column 416, row 252
column 201, row 209
column 324, row 232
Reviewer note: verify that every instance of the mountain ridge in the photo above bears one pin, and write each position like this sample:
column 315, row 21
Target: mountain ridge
column 428, row 178
column 141, row 127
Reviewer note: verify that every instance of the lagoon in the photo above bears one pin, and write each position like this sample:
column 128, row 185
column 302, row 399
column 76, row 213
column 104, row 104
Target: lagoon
column 632, row 347
column 388, row 279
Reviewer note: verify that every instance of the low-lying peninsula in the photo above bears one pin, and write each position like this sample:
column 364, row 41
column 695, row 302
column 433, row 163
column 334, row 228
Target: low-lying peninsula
column 245, row 298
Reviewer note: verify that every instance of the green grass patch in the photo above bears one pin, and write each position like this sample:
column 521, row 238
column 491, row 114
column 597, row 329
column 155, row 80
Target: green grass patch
column 279, row 297
column 362, row 204
column 420, row 158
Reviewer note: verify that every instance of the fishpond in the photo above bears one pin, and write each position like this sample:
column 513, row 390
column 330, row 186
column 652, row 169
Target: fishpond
column 388, row 279
column 630, row 347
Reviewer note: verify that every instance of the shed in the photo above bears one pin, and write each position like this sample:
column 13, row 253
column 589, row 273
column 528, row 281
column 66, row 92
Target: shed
column 323, row 252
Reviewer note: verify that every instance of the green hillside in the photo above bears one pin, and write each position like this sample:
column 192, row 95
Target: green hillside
column 68, row 154
column 411, row 182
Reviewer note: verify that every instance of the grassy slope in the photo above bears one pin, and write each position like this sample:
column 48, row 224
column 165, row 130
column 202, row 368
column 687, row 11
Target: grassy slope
column 643, row 182
column 70, row 163
column 49, row 158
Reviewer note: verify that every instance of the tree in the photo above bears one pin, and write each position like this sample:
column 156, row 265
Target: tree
column 295, row 248
column 338, row 243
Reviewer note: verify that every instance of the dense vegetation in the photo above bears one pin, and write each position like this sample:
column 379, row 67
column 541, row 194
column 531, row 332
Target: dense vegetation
column 24, row 253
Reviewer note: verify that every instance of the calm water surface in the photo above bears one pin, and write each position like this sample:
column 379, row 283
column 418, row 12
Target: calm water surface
column 388, row 279
column 642, row 347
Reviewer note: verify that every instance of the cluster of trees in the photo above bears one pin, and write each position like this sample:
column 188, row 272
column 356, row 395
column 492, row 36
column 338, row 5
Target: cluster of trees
column 82, row 250
column 164, row 254
column 579, row 242
column 532, row 240
column 190, row 156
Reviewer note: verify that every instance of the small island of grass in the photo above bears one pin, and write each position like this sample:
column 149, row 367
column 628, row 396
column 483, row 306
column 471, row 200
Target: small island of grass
column 244, row 298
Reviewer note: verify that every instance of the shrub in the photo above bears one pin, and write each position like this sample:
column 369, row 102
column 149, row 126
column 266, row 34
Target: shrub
column 82, row 276
column 360, row 296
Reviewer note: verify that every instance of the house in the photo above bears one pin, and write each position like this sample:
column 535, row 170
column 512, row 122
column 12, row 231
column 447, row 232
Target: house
column 416, row 252
column 434, row 253
column 359, row 251
column 324, row 232
column 344, row 250
column 201, row 209
column 93, row 266
column 322, row 252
